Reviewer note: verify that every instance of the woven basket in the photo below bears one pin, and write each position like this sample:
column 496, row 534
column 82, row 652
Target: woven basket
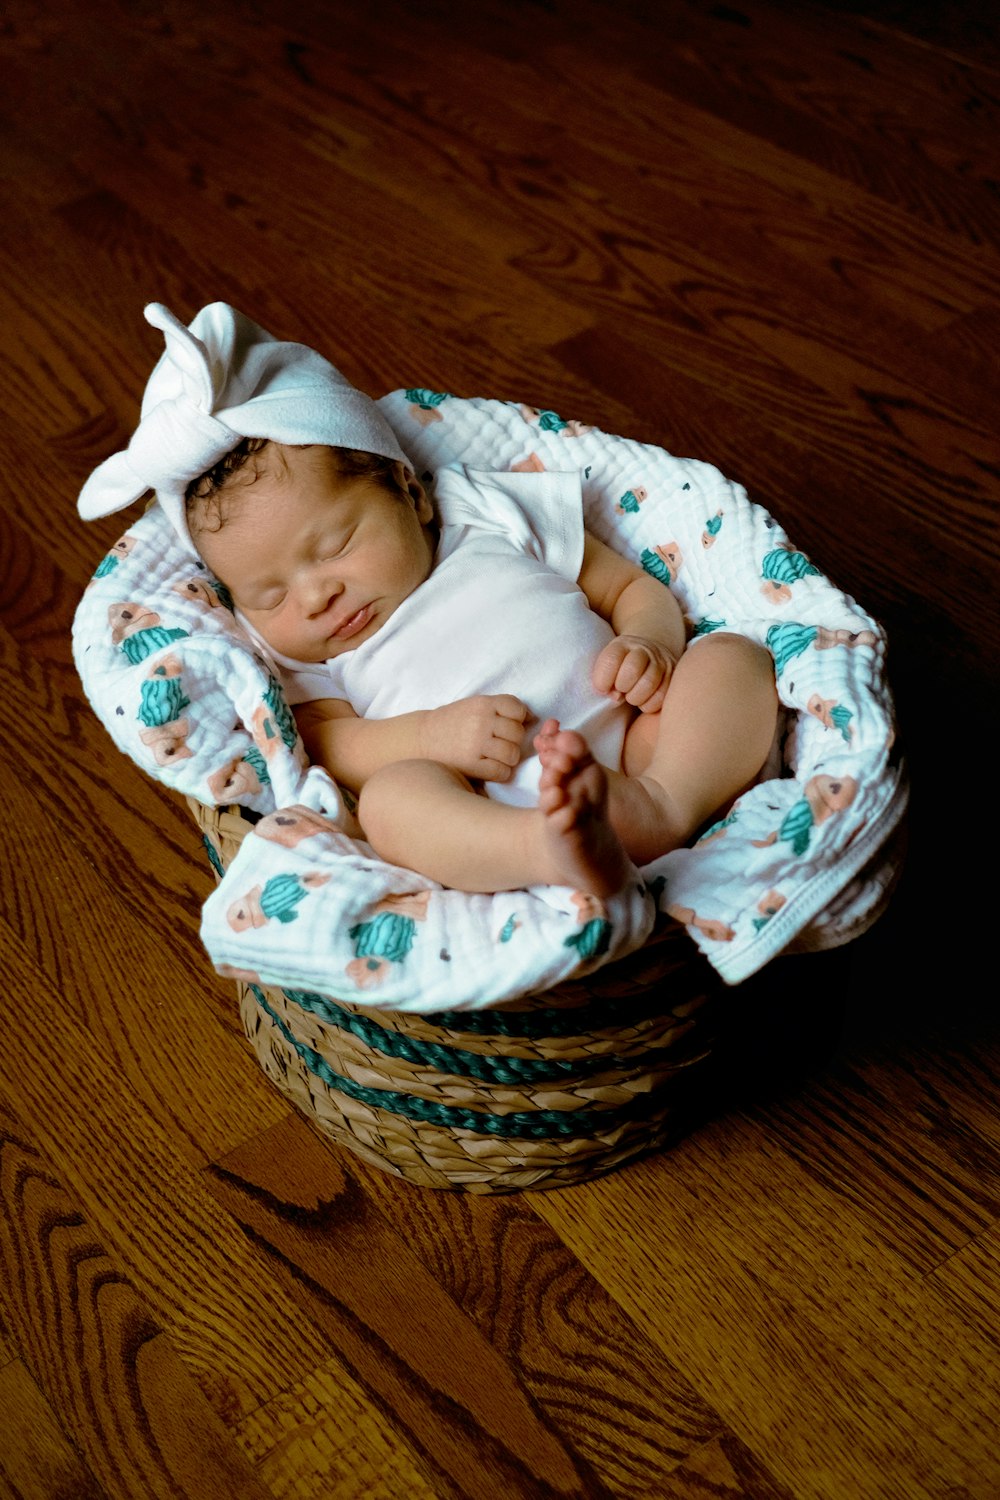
column 529, row 1094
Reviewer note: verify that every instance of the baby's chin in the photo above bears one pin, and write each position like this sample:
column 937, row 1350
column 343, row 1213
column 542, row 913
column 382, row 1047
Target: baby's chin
column 311, row 655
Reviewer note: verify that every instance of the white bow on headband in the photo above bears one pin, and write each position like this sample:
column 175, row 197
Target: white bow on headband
column 219, row 380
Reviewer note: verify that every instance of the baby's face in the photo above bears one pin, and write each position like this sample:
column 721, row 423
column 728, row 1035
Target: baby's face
column 315, row 561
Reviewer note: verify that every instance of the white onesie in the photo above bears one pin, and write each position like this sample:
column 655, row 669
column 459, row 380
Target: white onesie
column 500, row 612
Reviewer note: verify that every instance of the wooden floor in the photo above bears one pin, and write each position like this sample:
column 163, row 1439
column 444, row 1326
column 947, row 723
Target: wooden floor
column 762, row 233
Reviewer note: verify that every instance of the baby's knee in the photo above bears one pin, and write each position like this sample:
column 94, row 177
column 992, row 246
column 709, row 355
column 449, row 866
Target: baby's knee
column 393, row 803
column 737, row 646
column 737, row 654
column 384, row 795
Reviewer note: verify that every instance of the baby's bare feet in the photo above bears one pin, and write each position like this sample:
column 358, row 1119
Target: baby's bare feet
column 584, row 849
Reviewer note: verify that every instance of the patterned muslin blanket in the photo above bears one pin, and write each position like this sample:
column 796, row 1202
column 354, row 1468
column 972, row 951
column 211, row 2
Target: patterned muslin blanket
column 804, row 860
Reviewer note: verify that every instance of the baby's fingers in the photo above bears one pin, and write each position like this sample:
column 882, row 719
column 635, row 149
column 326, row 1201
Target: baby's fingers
column 499, row 766
column 654, row 702
column 635, row 674
column 509, row 707
column 504, row 749
column 608, row 665
column 649, row 689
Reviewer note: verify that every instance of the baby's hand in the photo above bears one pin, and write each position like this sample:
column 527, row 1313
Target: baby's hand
column 633, row 670
column 481, row 737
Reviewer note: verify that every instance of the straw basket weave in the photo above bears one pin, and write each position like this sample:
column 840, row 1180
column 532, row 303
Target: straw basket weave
column 530, row 1094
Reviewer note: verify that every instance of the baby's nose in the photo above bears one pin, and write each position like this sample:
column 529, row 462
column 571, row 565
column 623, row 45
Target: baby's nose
column 321, row 589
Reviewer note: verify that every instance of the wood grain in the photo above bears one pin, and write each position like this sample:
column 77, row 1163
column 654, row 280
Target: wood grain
column 823, row 1385
column 761, row 234
column 127, row 1401
column 399, row 1335
column 36, row 1460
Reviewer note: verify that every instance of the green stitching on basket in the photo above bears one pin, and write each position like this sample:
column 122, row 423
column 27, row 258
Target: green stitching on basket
column 457, row 1061
column 598, row 1015
column 539, row 1124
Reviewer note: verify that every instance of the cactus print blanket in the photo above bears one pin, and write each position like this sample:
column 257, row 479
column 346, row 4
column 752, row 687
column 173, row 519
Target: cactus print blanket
column 804, row 860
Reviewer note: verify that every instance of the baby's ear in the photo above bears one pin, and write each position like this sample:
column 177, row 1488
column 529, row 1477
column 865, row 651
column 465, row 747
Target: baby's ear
column 418, row 496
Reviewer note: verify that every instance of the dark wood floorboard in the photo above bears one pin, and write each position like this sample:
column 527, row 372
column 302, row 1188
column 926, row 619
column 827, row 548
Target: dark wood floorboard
column 761, row 233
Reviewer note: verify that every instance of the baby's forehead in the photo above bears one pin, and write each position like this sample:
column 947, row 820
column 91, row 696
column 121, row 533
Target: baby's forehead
column 312, row 465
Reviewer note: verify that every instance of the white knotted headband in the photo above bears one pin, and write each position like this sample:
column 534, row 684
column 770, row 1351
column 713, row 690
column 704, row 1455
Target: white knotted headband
column 220, row 380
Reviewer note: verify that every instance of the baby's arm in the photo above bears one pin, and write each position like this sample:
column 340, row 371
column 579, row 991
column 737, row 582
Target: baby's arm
column 481, row 737
column 649, row 629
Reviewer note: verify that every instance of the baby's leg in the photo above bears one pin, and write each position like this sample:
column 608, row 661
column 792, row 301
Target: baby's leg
column 427, row 817
column 706, row 745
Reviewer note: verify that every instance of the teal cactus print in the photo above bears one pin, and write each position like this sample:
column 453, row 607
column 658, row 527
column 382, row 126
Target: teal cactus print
column 388, row 935
column 107, row 565
column 713, row 525
column 137, row 647
column 787, row 641
column 654, row 565
column 782, row 566
column 705, row 626
column 162, row 701
column 425, row 399
column 720, row 827
column 509, row 928
column 274, row 702
column 797, row 826
column 551, row 421
column 254, row 758
column 629, row 503
column 840, row 718
column 280, row 896
column 592, row 939
column 214, row 857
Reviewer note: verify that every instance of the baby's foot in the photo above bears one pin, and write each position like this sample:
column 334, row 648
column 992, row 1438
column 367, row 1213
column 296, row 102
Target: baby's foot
column 584, row 850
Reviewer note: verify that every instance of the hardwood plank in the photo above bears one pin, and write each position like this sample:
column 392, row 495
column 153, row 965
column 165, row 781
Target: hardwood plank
column 883, row 436
column 457, row 1407
column 237, row 1332
column 379, row 353
column 106, row 1374
column 666, row 159
column 593, row 1372
column 725, row 1470
column 386, row 347
column 969, row 1282
column 845, row 123
column 966, row 33
column 812, row 1341
column 925, row 1202
column 37, row 1461
column 154, row 1031
column 324, row 1438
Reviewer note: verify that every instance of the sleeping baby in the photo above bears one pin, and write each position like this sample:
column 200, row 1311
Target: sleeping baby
column 512, row 701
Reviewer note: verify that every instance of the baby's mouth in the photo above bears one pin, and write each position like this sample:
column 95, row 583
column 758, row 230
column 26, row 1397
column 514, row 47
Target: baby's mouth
column 353, row 624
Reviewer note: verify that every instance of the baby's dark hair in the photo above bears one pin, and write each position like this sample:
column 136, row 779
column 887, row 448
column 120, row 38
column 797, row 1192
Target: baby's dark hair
column 204, row 498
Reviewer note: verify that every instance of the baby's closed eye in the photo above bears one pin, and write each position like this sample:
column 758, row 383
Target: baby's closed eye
column 262, row 599
column 335, row 546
